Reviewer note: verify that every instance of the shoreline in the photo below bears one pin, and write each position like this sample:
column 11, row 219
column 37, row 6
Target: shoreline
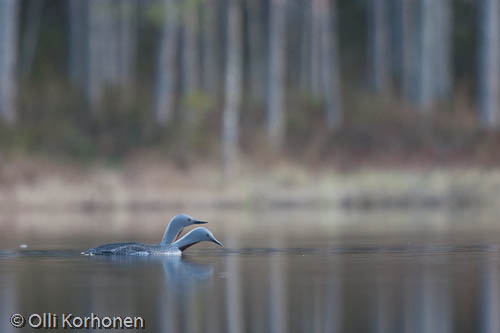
column 153, row 185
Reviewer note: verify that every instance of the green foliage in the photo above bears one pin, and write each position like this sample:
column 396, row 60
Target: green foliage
column 198, row 100
column 154, row 13
column 197, row 107
column 49, row 122
column 307, row 110
column 54, row 119
column 191, row 5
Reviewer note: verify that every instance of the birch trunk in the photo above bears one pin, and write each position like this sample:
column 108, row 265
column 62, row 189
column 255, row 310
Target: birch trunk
column 210, row 48
column 256, row 50
column 489, row 64
column 441, row 47
column 78, row 53
column 191, row 64
column 9, row 22
column 127, row 41
column 30, row 38
column 233, row 86
column 330, row 64
column 277, row 66
column 305, row 50
column 167, row 64
column 98, row 35
column 315, row 56
column 111, row 44
column 426, row 47
column 379, row 48
column 408, row 49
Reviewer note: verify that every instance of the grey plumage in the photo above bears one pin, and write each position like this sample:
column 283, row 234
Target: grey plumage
column 195, row 236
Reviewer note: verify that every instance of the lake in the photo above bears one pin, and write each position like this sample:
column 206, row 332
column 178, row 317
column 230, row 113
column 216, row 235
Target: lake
column 280, row 271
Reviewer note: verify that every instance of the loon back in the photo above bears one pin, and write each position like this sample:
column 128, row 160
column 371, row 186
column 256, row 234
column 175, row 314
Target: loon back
column 116, row 249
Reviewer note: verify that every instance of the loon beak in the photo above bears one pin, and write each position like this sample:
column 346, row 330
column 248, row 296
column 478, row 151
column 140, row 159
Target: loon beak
column 199, row 222
column 217, row 242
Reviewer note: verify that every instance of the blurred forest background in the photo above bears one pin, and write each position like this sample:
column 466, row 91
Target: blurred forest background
column 332, row 83
column 315, row 79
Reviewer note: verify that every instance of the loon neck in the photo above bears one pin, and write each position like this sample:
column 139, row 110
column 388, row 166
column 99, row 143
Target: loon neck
column 172, row 232
column 185, row 242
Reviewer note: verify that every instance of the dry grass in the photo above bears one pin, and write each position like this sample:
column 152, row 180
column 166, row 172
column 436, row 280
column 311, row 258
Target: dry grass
column 148, row 182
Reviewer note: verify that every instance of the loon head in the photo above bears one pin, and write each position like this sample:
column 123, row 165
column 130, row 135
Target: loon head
column 176, row 226
column 195, row 236
column 183, row 220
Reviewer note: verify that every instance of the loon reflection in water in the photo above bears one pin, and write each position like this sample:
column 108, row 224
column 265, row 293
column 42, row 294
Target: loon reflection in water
column 166, row 247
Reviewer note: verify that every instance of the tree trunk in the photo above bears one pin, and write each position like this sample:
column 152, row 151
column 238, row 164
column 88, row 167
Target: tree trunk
column 379, row 45
column 167, row 64
column 305, row 49
column 256, row 50
column 489, row 64
column 277, row 66
column 30, row 38
column 112, row 46
column 445, row 90
column 191, row 54
column 78, row 54
column 408, row 49
column 315, row 55
column 98, row 37
column 330, row 66
column 233, row 86
column 210, row 48
column 443, row 43
column 426, row 48
column 127, row 40
column 9, row 21
column 431, row 61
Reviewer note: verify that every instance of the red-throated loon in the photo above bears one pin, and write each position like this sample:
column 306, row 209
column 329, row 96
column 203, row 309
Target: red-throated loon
column 170, row 243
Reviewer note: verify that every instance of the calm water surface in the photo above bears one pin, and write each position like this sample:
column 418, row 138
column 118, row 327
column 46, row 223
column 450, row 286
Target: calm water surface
column 276, row 274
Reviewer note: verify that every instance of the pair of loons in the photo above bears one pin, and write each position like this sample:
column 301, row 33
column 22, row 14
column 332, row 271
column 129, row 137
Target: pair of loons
column 171, row 244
